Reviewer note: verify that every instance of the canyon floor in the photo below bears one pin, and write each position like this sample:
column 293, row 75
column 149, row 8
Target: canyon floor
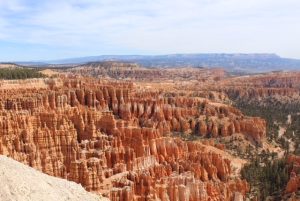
column 132, row 133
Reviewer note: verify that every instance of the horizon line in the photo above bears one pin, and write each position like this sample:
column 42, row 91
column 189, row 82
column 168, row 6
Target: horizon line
column 149, row 55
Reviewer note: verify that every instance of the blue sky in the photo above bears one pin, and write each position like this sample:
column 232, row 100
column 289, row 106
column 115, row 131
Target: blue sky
column 55, row 29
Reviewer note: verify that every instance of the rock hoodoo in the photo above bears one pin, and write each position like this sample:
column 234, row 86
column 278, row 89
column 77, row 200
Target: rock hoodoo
column 115, row 138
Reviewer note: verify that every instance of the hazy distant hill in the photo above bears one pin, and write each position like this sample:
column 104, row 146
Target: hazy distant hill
column 9, row 65
column 231, row 62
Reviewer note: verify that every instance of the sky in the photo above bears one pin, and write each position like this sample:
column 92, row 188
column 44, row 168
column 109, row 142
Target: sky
column 54, row 29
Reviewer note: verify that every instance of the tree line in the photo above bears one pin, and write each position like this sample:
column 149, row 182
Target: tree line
column 19, row 73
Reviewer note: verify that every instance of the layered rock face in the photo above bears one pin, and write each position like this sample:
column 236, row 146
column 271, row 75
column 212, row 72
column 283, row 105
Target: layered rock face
column 276, row 87
column 116, row 138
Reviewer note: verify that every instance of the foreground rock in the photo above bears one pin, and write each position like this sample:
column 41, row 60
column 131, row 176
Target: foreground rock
column 19, row 182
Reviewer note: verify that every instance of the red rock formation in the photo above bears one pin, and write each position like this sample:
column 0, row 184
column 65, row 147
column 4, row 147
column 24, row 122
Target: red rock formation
column 281, row 87
column 115, row 139
column 294, row 183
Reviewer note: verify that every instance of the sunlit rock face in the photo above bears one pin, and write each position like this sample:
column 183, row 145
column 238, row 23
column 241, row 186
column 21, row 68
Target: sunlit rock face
column 116, row 138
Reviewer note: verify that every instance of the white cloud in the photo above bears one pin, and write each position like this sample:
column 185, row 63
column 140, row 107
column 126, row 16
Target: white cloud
column 165, row 26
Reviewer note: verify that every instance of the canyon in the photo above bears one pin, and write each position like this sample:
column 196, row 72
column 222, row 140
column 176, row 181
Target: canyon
column 133, row 133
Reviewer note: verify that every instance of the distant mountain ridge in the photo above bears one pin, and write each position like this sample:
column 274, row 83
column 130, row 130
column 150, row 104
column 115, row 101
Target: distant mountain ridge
column 231, row 62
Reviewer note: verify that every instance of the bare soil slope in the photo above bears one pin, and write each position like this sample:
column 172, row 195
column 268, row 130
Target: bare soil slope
column 19, row 183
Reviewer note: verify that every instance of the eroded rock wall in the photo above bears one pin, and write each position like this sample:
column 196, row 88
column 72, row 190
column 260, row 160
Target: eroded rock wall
column 116, row 139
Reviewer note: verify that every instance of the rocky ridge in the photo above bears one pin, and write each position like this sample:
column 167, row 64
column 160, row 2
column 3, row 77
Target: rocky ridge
column 133, row 71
